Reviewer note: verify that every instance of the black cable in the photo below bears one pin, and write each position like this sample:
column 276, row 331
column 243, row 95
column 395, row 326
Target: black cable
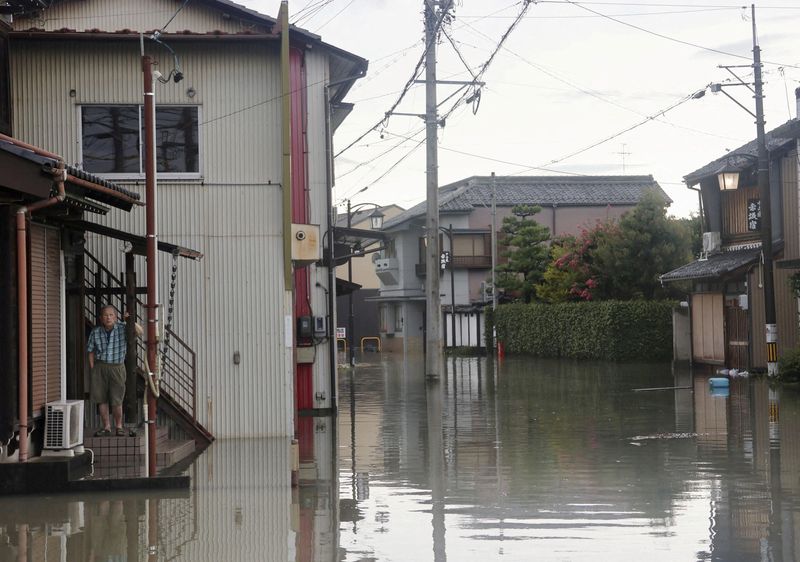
column 668, row 38
column 181, row 7
column 620, row 133
column 406, row 88
column 335, row 15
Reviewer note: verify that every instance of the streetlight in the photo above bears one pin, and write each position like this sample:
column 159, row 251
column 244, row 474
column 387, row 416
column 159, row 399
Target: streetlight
column 726, row 180
column 376, row 222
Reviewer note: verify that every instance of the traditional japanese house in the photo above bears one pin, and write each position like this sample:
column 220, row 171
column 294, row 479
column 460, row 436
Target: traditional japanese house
column 727, row 281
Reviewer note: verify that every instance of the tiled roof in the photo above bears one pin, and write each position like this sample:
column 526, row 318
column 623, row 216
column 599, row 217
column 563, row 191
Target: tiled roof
column 585, row 191
column 742, row 157
column 716, row 266
column 46, row 161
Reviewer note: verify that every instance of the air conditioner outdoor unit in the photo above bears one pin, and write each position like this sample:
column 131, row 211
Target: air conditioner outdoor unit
column 63, row 427
column 711, row 242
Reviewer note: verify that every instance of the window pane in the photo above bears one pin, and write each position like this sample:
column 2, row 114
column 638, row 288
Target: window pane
column 176, row 140
column 110, row 139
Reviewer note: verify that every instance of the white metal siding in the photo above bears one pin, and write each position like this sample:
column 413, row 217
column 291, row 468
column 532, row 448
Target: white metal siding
column 233, row 299
column 137, row 15
column 316, row 72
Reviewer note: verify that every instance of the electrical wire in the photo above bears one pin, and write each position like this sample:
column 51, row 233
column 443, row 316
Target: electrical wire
column 668, row 5
column 384, row 174
column 673, row 39
column 374, row 158
column 650, row 118
column 414, row 75
column 595, row 94
column 178, row 11
column 335, row 15
column 625, row 15
column 526, row 165
column 460, row 56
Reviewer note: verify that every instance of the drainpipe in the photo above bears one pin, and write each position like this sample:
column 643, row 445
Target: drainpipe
column 60, row 176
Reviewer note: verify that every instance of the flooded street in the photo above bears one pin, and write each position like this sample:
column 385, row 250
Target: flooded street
column 527, row 460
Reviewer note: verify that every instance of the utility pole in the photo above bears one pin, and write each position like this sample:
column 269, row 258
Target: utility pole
column 766, row 212
column 152, row 263
column 433, row 308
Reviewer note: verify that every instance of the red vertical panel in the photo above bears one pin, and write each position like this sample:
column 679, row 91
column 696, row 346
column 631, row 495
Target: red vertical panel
column 303, row 373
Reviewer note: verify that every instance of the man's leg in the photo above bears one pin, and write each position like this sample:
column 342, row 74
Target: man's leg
column 117, row 412
column 104, row 415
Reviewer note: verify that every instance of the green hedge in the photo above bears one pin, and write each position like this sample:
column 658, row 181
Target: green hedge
column 606, row 330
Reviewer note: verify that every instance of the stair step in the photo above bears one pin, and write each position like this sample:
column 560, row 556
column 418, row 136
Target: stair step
column 173, row 451
column 122, row 451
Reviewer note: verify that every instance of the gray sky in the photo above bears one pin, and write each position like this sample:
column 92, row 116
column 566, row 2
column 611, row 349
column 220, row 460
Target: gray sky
column 565, row 79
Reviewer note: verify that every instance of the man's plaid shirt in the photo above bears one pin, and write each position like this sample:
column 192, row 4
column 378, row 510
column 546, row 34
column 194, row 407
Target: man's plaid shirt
column 108, row 346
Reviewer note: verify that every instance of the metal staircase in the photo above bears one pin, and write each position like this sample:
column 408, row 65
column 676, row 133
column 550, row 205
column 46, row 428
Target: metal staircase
column 179, row 361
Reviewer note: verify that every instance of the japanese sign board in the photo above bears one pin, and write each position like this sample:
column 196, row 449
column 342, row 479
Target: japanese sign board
column 444, row 260
column 753, row 215
column 341, row 333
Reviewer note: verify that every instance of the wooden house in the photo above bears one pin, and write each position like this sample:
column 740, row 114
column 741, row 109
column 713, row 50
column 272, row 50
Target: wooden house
column 727, row 289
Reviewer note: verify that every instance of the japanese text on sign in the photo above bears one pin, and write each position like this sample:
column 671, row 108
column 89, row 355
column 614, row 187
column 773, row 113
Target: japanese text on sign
column 753, row 215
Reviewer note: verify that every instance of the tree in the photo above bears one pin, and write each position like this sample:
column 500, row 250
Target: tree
column 524, row 241
column 630, row 260
column 571, row 275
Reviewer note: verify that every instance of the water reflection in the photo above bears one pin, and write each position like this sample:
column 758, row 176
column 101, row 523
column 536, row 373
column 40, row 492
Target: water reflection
column 531, row 459
column 564, row 460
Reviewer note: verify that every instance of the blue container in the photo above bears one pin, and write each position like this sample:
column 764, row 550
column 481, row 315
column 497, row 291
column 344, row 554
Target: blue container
column 720, row 391
column 719, row 382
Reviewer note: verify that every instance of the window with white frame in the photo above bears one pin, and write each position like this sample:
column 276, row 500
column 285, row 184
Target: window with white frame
column 112, row 140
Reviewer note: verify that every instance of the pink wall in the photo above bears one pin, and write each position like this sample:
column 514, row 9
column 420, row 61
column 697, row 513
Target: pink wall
column 568, row 220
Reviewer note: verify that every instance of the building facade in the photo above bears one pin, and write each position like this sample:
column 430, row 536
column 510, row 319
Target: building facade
column 567, row 205
column 727, row 289
column 221, row 138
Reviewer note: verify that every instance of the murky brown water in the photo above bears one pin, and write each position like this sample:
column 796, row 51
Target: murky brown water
column 533, row 460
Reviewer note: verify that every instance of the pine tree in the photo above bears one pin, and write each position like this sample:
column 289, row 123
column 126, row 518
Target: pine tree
column 525, row 247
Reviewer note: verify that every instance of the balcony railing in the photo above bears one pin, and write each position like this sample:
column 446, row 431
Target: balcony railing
column 461, row 262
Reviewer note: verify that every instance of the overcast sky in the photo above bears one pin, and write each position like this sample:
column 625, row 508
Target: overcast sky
column 565, row 79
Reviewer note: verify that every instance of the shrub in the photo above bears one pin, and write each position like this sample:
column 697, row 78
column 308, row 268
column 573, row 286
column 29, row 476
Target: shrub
column 607, row 330
column 789, row 366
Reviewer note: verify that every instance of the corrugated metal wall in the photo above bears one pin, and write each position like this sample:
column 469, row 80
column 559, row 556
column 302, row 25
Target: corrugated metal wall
column 316, row 70
column 233, row 299
column 131, row 14
column 244, row 496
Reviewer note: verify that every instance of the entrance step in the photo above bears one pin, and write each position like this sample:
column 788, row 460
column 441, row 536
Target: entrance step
column 123, row 451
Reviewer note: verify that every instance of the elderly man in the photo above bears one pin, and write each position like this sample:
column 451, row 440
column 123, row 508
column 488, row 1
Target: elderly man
column 107, row 346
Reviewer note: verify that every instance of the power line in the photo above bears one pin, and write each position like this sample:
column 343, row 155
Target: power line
column 403, row 92
column 335, row 15
column 385, row 152
column 387, row 172
column 669, row 5
column 620, row 133
column 668, row 38
column 629, row 14
column 178, row 11
column 596, row 95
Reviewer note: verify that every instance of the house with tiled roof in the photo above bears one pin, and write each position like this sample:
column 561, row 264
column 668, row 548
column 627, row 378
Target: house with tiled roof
column 568, row 204
column 727, row 300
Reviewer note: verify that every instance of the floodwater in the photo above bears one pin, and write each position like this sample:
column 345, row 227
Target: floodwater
column 524, row 460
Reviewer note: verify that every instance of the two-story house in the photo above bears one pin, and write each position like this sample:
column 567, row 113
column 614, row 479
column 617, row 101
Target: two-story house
column 243, row 129
column 568, row 203
column 727, row 289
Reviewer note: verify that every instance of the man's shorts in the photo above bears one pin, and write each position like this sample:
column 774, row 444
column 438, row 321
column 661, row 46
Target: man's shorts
column 108, row 383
